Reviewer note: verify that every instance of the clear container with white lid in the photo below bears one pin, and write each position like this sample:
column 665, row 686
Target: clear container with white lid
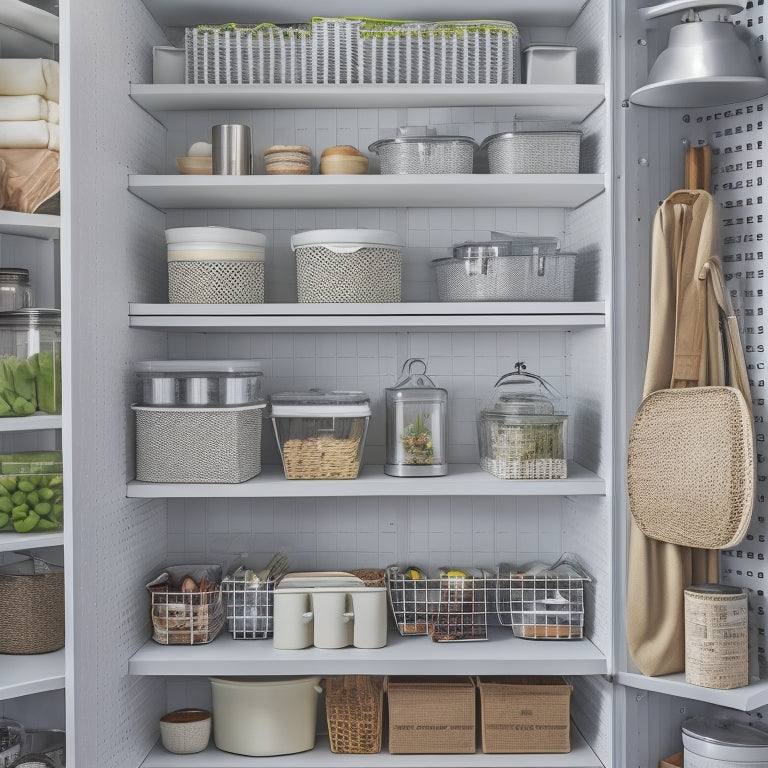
column 320, row 434
column 199, row 383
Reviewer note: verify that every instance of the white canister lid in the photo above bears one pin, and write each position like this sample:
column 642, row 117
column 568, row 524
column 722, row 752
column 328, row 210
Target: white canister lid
column 725, row 740
column 347, row 238
column 193, row 235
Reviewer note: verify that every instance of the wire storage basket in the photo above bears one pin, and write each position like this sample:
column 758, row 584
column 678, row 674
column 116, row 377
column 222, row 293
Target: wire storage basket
column 541, row 601
column 250, row 607
column 451, row 607
column 533, row 151
column 354, row 706
column 187, row 606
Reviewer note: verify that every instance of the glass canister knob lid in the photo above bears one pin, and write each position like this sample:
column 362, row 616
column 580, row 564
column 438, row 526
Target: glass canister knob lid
column 414, row 382
column 519, row 393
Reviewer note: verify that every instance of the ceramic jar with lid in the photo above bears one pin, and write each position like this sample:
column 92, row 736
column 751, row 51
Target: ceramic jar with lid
column 416, row 415
column 520, row 435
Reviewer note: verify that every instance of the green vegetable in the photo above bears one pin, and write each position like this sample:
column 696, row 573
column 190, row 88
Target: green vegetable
column 6, row 505
column 4, row 520
column 20, row 512
column 43, row 509
column 31, row 495
column 47, row 525
column 46, row 494
column 48, row 381
column 18, row 498
column 17, row 387
column 25, row 526
column 8, row 483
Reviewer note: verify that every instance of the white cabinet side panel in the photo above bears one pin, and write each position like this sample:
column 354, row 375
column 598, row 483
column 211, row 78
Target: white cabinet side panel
column 109, row 239
column 592, row 712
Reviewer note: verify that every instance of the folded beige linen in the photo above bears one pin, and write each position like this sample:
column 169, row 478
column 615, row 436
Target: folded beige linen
column 54, row 141
column 24, row 134
column 53, row 112
column 24, row 108
column 28, row 178
column 30, row 77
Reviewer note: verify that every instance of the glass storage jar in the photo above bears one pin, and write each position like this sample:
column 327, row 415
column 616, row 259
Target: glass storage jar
column 520, row 436
column 15, row 289
column 30, row 361
column 416, row 411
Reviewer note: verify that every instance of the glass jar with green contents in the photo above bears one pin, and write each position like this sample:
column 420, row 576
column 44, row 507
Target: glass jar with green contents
column 30, row 361
column 31, row 492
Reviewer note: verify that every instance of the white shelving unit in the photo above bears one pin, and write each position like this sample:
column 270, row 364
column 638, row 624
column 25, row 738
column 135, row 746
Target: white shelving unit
column 580, row 756
column 389, row 191
column 26, row 675
column 14, row 542
column 30, row 423
column 42, row 226
column 30, row 20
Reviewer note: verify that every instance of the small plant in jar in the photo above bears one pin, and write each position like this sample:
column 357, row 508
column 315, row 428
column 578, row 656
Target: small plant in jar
column 417, row 441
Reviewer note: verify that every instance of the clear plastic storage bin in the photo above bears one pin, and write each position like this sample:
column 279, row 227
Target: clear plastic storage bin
column 320, row 434
column 32, row 492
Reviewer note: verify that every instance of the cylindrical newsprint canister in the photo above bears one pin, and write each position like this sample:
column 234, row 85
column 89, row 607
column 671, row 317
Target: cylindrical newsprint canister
column 716, row 636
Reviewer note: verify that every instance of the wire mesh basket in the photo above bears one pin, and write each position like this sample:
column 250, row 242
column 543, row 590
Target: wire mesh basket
column 447, row 608
column 542, row 602
column 250, row 607
column 534, row 152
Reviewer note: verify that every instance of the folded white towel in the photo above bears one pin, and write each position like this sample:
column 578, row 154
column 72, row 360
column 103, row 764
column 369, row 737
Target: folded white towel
column 54, row 141
column 53, row 112
column 30, row 77
column 24, row 134
column 24, row 108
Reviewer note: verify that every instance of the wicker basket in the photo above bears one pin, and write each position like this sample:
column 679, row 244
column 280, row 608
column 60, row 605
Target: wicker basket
column 198, row 445
column 215, row 282
column 186, row 731
column 534, row 152
column 33, row 608
column 354, row 706
column 526, row 451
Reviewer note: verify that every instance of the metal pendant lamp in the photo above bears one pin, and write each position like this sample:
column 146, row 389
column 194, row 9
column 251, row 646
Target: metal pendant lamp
column 705, row 64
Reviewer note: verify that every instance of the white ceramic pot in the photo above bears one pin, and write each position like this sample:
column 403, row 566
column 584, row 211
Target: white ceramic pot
column 262, row 716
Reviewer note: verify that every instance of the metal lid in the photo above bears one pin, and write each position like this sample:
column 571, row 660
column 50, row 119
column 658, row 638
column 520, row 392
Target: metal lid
column 31, row 318
column 415, row 381
column 723, row 738
column 181, row 368
column 14, row 275
column 318, row 402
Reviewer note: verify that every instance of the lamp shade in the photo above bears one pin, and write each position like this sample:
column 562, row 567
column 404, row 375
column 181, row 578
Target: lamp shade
column 705, row 64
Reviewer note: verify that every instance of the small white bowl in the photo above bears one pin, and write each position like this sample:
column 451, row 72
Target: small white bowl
column 186, row 731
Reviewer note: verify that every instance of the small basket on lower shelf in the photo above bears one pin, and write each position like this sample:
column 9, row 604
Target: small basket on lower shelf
column 542, row 602
column 354, row 705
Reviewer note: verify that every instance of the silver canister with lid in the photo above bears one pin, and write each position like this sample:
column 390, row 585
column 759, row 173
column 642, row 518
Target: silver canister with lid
column 421, row 150
column 15, row 289
column 416, row 417
column 506, row 268
column 714, row 743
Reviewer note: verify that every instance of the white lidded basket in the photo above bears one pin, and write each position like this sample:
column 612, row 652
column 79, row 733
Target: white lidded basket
column 533, row 151
column 198, row 445
column 348, row 265
column 185, row 731
column 215, row 265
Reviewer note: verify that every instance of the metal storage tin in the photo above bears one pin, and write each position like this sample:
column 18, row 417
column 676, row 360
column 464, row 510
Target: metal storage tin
column 711, row 743
column 423, row 151
column 533, row 151
column 518, row 269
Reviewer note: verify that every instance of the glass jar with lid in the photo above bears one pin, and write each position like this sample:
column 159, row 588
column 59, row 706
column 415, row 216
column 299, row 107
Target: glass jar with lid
column 30, row 361
column 520, row 436
column 416, row 415
column 15, row 289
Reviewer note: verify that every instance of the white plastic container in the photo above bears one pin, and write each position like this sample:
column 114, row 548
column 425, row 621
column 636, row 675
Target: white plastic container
column 348, row 265
column 550, row 64
column 711, row 743
column 215, row 265
column 168, row 64
column 262, row 716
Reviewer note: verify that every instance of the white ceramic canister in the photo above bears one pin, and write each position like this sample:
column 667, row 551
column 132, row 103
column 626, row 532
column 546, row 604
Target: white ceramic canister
column 711, row 743
column 293, row 619
column 369, row 606
column 262, row 716
column 333, row 619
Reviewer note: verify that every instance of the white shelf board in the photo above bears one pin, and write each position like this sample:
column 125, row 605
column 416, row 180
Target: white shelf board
column 13, row 542
column 359, row 317
column 24, row 675
column 30, row 423
column 40, row 225
column 177, row 13
column 502, row 654
column 746, row 699
column 580, row 756
column 462, row 480
column 30, row 20
column 372, row 191
column 572, row 103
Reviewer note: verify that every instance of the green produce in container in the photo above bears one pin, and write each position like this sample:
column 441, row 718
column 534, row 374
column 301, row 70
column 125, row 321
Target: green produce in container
column 31, row 492
column 18, row 396
column 48, row 382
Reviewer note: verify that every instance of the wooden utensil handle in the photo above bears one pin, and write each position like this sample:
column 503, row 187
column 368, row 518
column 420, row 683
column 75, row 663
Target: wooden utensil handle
column 698, row 167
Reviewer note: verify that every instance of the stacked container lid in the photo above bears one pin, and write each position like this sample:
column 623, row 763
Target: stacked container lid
column 215, row 265
column 198, row 421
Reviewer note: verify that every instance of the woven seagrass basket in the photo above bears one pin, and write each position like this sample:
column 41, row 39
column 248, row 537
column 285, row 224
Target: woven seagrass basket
column 33, row 610
column 354, row 706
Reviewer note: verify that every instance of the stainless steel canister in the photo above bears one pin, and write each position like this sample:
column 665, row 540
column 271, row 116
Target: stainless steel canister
column 231, row 150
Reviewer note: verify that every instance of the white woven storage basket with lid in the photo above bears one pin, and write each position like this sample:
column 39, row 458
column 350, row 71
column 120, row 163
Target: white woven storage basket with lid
column 348, row 265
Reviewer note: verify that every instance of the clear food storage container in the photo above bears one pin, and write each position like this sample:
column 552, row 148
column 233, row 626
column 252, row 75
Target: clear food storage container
column 198, row 421
column 31, row 492
column 520, row 435
column 421, row 150
column 515, row 268
column 15, row 289
column 215, row 265
column 320, row 434
column 30, row 361
column 416, row 413
column 529, row 149
column 348, row 265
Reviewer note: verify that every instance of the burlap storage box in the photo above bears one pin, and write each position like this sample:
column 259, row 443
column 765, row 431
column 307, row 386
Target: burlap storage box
column 525, row 714
column 431, row 715
column 354, row 705
column 32, row 596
